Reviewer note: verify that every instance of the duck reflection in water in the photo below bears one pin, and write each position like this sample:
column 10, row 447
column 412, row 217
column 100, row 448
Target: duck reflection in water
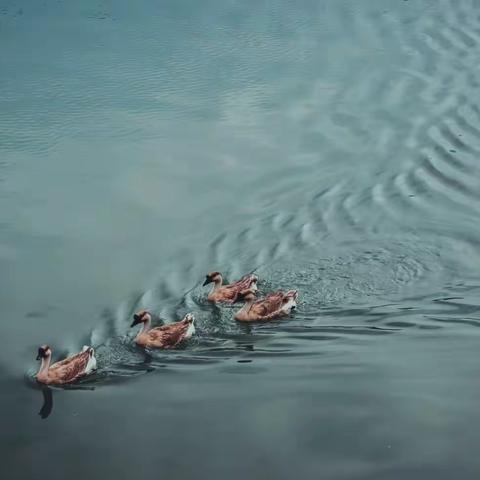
column 47, row 394
column 47, row 406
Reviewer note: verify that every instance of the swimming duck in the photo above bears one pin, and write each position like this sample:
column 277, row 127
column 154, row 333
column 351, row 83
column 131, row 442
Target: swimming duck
column 166, row 336
column 228, row 293
column 274, row 305
column 65, row 371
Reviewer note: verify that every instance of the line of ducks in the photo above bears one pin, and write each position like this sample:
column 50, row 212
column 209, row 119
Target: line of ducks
column 274, row 305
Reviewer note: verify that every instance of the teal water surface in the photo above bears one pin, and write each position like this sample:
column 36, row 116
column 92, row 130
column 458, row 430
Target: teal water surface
column 331, row 146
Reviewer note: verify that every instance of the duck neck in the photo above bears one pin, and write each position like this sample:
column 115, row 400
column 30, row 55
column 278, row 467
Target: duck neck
column 43, row 371
column 145, row 327
column 217, row 283
column 246, row 306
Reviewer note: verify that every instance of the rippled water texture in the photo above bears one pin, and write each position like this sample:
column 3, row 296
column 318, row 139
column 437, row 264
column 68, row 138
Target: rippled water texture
column 329, row 146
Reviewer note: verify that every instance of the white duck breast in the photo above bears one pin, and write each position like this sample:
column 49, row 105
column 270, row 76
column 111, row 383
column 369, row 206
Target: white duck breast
column 92, row 361
column 190, row 331
column 191, row 327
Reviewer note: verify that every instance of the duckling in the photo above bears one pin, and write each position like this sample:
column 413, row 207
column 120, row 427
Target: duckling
column 228, row 293
column 166, row 336
column 274, row 305
column 65, row 371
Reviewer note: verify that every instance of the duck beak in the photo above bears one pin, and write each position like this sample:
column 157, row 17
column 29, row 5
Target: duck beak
column 39, row 357
column 207, row 281
column 136, row 320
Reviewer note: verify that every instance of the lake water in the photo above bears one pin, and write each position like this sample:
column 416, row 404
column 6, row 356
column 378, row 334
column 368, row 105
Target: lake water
column 332, row 146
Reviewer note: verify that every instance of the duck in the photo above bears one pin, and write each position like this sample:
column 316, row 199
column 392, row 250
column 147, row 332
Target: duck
column 166, row 336
column 274, row 305
column 228, row 293
column 68, row 370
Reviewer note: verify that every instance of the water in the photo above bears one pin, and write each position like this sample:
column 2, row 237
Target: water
column 332, row 146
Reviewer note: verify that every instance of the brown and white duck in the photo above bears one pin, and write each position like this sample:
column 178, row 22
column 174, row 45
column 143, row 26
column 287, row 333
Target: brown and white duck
column 166, row 336
column 66, row 371
column 228, row 293
column 274, row 305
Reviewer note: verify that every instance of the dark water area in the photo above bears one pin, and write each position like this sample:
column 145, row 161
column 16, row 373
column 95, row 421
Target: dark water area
column 332, row 147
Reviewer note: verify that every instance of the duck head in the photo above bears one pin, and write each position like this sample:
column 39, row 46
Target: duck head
column 214, row 277
column 142, row 316
column 44, row 352
column 289, row 302
column 189, row 318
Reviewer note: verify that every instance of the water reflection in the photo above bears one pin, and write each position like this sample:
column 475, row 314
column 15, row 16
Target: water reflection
column 48, row 393
column 47, row 406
